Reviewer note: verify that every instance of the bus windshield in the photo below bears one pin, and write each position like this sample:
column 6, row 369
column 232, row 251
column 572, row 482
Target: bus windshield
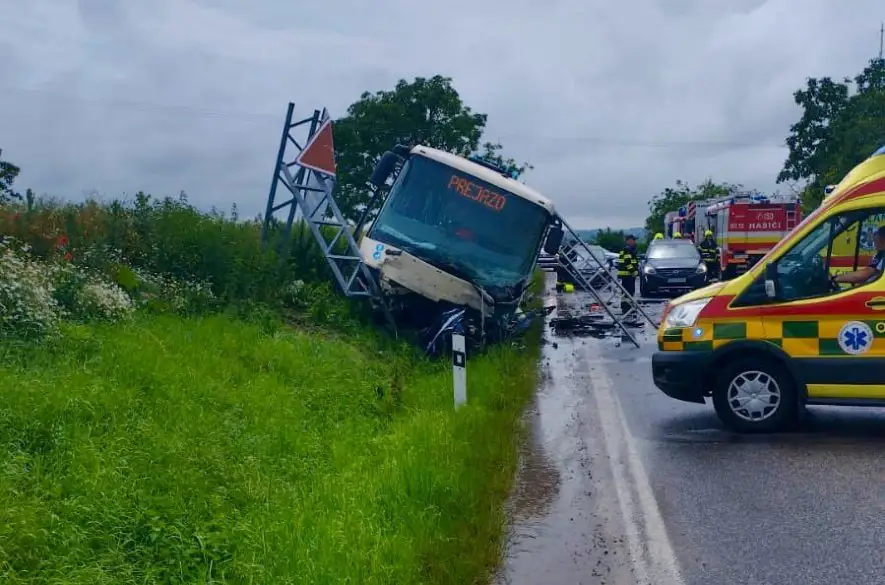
column 458, row 222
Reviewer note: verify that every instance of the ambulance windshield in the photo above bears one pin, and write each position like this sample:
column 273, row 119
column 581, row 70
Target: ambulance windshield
column 461, row 224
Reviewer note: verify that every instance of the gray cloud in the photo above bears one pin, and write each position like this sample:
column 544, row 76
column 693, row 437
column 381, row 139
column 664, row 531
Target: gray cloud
column 611, row 102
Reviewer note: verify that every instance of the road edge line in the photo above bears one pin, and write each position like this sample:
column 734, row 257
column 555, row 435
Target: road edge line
column 620, row 471
column 663, row 565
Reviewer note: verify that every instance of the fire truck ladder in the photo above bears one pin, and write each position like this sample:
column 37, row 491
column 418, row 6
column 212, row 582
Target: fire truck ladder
column 610, row 292
column 312, row 195
column 791, row 218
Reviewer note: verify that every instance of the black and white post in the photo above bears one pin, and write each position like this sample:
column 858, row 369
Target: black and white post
column 459, row 368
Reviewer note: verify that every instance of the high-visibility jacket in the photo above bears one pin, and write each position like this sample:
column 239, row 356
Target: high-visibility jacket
column 709, row 251
column 628, row 262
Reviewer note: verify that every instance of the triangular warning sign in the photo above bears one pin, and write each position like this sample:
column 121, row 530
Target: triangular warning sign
column 319, row 152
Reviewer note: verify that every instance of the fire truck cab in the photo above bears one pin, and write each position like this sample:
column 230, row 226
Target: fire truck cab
column 746, row 226
column 676, row 222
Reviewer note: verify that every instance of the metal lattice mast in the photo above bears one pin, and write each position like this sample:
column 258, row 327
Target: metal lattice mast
column 308, row 176
column 881, row 39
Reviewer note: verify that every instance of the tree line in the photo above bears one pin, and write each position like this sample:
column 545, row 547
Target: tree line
column 840, row 125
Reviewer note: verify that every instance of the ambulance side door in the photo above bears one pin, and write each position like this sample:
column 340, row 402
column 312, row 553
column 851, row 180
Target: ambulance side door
column 835, row 334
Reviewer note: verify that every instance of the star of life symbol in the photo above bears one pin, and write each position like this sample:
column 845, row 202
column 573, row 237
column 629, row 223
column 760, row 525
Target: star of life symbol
column 855, row 337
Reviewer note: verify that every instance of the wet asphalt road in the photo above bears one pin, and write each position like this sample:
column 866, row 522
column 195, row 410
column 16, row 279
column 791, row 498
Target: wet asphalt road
column 622, row 485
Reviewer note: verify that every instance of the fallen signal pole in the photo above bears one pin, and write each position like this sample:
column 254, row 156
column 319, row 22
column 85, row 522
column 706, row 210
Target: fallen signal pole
column 606, row 294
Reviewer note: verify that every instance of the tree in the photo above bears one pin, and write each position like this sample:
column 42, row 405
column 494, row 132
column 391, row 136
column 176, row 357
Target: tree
column 8, row 174
column 840, row 126
column 425, row 111
column 671, row 199
column 491, row 152
column 610, row 239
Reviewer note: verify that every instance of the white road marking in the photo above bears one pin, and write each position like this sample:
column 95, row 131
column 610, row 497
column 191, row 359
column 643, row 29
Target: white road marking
column 651, row 553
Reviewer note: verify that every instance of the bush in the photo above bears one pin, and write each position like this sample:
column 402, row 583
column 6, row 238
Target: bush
column 87, row 295
column 28, row 308
column 168, row 293
column 103, row 301
column 168, row 257
column 170, row 237
column 36, row 294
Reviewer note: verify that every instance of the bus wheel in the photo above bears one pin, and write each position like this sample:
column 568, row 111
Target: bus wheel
column 755, row 395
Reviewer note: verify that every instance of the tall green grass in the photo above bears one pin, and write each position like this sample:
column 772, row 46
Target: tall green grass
column 213, row 450
column 226, row 448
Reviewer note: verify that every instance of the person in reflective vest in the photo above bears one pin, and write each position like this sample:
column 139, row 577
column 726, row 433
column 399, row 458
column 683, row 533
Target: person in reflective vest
column 710, row 254
column 628, row 270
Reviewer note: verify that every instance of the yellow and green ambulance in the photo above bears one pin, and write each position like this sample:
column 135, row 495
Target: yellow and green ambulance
column 784, row 334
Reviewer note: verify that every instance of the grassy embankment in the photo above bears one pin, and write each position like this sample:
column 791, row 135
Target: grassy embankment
column 193, row 443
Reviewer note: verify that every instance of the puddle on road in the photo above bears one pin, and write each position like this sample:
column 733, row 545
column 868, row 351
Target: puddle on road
column 537, row 479
column 565, row 521
column 561, row 514
column 560, row 526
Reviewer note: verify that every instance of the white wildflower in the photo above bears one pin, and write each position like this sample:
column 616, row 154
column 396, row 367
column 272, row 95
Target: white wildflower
column 105, row 300
column 27, row 305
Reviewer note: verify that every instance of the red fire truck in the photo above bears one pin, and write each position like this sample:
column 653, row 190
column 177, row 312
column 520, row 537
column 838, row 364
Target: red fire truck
column 675, row 222
column 745, row 226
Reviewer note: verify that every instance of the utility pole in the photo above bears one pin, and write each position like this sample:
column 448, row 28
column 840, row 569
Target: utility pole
column 881, row 39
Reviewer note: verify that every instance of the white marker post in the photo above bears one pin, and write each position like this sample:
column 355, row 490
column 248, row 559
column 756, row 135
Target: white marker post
column 459, row 368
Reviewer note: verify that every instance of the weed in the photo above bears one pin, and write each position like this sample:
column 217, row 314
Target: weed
column 209, row 450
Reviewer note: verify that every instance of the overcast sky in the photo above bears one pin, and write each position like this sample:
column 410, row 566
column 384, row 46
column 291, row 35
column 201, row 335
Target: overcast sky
column 611, row 101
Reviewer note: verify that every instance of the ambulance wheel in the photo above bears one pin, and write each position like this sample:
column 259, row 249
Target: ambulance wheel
column 755, row 395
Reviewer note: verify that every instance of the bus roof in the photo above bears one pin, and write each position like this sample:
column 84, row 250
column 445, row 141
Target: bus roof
column 485, row 174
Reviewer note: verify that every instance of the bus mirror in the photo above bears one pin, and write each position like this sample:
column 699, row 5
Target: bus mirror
column 402, row 150
column 554, row 240
column 384, row 169
column 771, row 280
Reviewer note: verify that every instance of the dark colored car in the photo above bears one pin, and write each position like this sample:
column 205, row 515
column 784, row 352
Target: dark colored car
column 590, row 269
column 672, row 267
